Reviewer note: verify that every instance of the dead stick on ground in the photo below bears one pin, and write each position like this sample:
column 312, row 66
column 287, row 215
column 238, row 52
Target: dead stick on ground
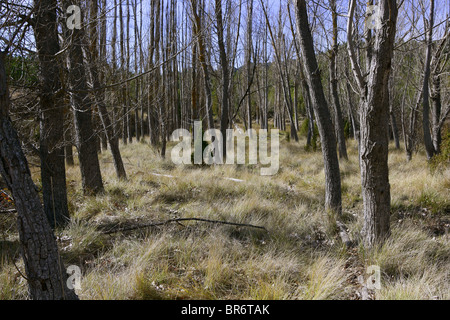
column 8, row 211
column 184, row 219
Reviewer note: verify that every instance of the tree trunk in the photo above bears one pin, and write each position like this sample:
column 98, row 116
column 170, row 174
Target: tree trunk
column 436, row 105
column 394, row 127
column 123, row 91
column 284, row 77
column 225, row 75
column 107, row 125
column 374, row 141
column 248, row 60
column 127, row 72
column 323, row 117
column 82, row 106
column 154, row 27
column 53, row 172
column 338, row 122
column 426, row 93
column 355, row 125
column 202, row 57
column 44, row 270
column 137, row 132
column 68, row 148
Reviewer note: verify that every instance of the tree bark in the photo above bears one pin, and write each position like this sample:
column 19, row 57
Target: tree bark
column 68, row 148
column 123, row 91
column 248, row 59
column 128, row 112
column 355, row 125
column 436, row 106
column 225, row 75
column 53, row 172
column 338, row 122
column 202, row 57
column 322, row 114
column 426, row 93
column 82, row 108
column 393, row 123
column 374, row 121
column 44, row 270
column 137, row 132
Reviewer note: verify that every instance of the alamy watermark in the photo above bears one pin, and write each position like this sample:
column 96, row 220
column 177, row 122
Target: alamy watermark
column 74, row 280
column 74, row 19
column 373, row 282
column 213, row 154
column 373, row 17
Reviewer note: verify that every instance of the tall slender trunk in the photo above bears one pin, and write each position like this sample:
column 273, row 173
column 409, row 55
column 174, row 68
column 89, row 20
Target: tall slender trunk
column 225, row 74
column 93, row 50
column 426, row 80
column 53, row 173
column 338, row 122
column 151, row 86
column 323, row 117
column 106, row 123
column 68, row 148
column 137, row 132
column 198, row 31
column 123, row 91
column 82, row 108
column 284, row 78
column 248, row 59
column 393, row 121
column 142, row 66
column 127, row 73
column 116, row 99
column 266, row 80
column 436, row 106
column 355, row 125
column 429, row 148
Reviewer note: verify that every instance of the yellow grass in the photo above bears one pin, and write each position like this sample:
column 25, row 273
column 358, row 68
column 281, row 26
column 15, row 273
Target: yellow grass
column 300, row 257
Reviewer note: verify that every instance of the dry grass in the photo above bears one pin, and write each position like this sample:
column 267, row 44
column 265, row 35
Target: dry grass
column 300, row 257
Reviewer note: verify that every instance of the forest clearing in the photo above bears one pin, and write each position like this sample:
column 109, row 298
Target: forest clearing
column 300, row 256
column 226, row 150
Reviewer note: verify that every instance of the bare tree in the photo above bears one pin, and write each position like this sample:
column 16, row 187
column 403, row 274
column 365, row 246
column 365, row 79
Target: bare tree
column 322, row 113
column 284, row 80
column 82, row 109
column 374, row 121
column 429, row 148
column 438, row 113
column 107, row 125
column 248, row 59
column 338, row 122
column 53, row 172
column 225, row 73
column 202, row 55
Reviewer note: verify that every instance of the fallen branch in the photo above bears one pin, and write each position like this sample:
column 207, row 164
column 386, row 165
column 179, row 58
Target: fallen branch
column 162, row 175
column 8, row 211
column 234, row 179
column 173, row 177
column 178, row 220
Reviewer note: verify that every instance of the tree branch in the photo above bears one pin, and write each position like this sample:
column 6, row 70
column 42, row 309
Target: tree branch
column 178, row 220
column 351, row 49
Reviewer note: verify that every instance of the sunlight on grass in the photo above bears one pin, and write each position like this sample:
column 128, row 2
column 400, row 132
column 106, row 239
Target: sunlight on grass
column 298, row 257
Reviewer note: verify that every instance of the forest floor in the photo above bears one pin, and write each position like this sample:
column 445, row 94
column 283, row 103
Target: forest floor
column 298, row 256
